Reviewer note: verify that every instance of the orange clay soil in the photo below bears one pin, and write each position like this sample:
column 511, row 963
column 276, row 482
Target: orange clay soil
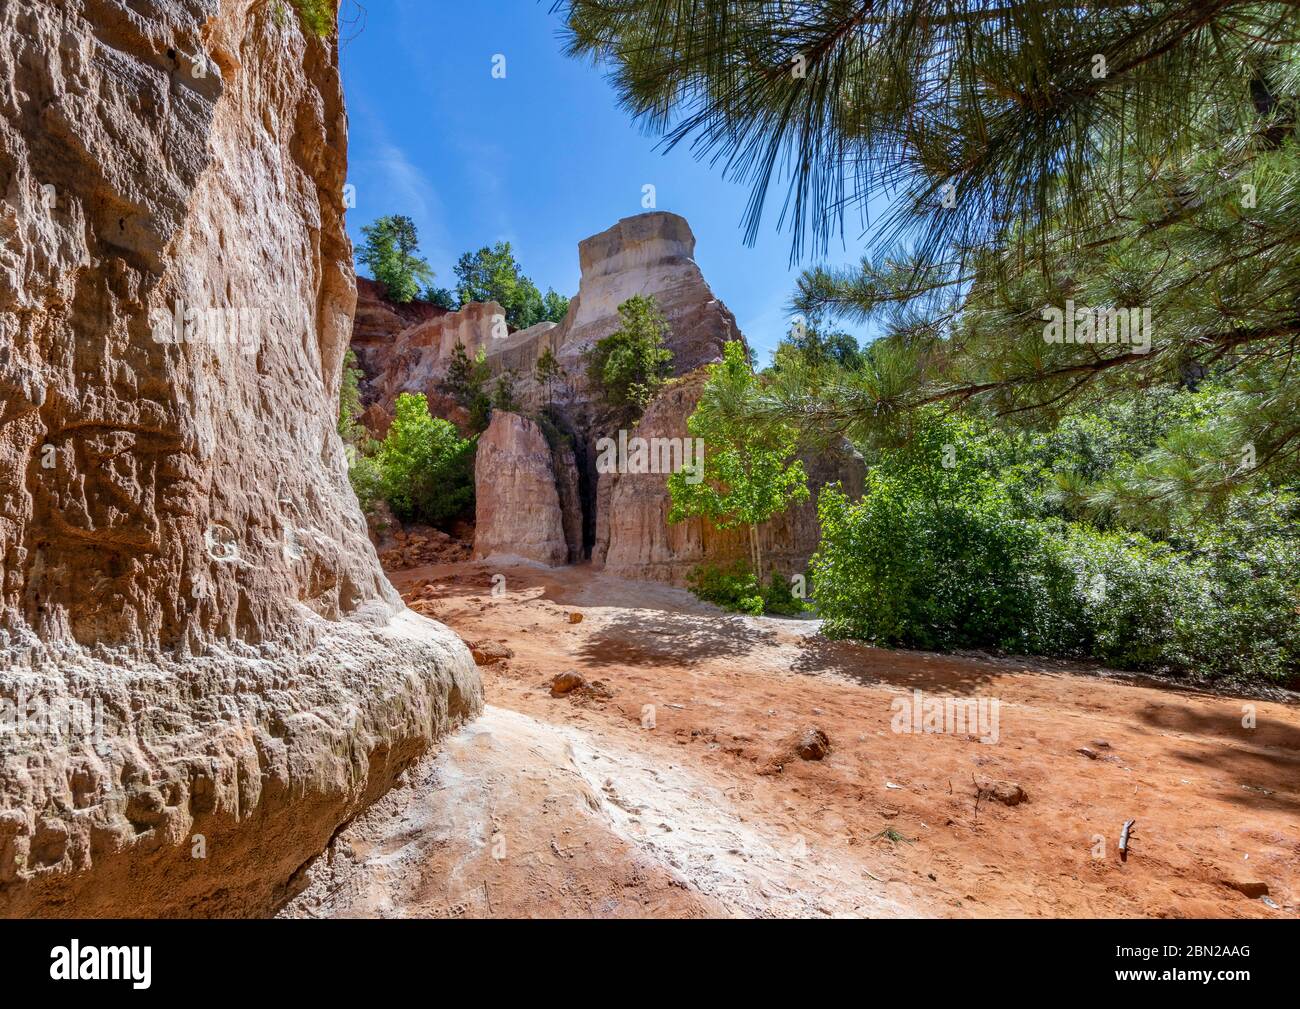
column 650, row 801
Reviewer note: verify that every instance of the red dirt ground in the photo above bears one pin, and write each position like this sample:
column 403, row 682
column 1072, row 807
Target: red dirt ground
column 573, row 805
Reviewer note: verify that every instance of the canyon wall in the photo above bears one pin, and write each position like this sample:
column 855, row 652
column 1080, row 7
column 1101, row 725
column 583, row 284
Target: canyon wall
column 203, row 670
column 519, row 514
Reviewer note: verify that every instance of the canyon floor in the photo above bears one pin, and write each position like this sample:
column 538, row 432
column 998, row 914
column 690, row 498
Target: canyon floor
column 585, row 805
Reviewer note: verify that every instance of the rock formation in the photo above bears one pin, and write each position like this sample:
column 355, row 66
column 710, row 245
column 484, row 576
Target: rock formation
column 518, row 511
column 378, row 322
column 651, row 254
column 184, row 564
column 618, row 520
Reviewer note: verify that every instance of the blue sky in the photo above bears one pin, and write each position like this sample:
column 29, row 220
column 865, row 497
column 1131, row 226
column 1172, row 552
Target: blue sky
column 542, row 158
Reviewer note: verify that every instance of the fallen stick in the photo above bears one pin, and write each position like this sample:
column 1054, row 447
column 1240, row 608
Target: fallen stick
column 1123, row 839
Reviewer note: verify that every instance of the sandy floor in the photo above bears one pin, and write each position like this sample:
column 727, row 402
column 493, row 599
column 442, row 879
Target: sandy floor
column 650, row 801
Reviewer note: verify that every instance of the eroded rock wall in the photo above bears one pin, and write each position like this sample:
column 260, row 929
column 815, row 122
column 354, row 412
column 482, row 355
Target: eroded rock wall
column 518, row 512
column 183, row 560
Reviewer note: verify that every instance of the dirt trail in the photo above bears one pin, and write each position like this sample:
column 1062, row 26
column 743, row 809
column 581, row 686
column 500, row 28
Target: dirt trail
column 649, row 802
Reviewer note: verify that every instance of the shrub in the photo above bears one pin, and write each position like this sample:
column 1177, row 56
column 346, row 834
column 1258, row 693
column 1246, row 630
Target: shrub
column 733, row 588
column 779, row 598
column 426, row 469
column 932, row 556
column 939, row 554
column 349, row 427
column 736, row 589
column 366, row 478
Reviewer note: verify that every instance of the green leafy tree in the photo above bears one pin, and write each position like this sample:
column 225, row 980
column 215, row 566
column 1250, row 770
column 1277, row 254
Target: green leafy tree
column 555, row 306
column 493, row 274
column 548, row 372
column 442, row 297
column 749, row 473
column 390, row 253
column 426, row 468
column 630, row 365
column 466, row 382
column 504, row 396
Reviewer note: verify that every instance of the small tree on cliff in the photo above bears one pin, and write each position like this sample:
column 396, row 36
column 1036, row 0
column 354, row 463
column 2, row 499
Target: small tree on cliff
column 547, row 372
column 503, row 395
column 749, row 471
column 465, row 382
column 389, row 253
column 628, row 367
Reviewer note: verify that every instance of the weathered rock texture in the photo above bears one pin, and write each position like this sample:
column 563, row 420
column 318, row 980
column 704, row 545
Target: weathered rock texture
column 635, row 540
column 650, row 254
column 518, row 512
column 181, row 551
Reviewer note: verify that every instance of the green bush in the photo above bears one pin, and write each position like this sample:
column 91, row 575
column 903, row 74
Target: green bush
column 932, row 556
column 779, row 598
column 426, row 470
column 366, row 478
column 944, row 552
column 735, row 588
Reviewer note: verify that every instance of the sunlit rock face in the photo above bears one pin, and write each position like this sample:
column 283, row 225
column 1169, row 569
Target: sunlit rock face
column 650, row 254
column 203, row 670
column 517, row 498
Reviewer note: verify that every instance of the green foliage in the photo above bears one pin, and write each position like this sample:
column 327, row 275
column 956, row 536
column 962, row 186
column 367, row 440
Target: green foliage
column 465, row 382
column 365, row 476
column 426, row 470
column 317, row 15
column 442, row 297
column 959, row 543
column 493, row 274
column 735, row 588
column 750, row 473
column 809, row 347
column 389, row 253
column 548, row 372
column 630, row 365
column 1007, row 174
column 779, row 598
column 555, row 306
column 503, row 394
column 350, row 429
